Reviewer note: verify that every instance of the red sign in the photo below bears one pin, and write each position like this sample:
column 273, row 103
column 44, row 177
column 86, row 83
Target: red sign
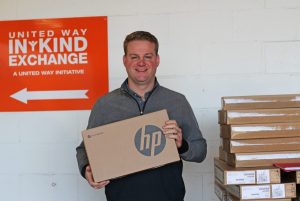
column 53, row 64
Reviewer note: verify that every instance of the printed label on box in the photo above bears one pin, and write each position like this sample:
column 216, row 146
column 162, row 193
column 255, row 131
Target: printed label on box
column 278, row 191
column 256, row 192
column 263, row 176
column 241, row 177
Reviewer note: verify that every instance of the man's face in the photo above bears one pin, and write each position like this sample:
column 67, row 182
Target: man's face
column 141, row 62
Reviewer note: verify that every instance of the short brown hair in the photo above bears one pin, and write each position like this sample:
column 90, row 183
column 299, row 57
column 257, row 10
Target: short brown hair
column 140, row 35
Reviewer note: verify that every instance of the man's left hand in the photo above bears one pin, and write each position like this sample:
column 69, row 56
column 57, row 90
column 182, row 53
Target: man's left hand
column 172, row 131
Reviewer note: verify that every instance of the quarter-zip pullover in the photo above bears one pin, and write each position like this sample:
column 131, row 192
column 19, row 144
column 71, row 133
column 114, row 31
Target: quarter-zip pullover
column 159, row 184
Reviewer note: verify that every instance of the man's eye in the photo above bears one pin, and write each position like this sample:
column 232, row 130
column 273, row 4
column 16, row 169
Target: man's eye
column 148, row 57
column 134, row 58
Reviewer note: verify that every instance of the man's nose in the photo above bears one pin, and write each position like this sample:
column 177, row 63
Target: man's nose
column 141, row 62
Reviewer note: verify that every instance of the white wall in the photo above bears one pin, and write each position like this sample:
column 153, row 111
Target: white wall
column 209, row 49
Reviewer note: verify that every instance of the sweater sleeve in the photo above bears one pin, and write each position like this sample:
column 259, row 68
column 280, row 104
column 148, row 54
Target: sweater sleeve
column 82, row 159
column 197, row 147
column 81, row 154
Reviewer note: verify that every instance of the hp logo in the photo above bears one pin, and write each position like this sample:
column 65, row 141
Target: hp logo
column 150, row 140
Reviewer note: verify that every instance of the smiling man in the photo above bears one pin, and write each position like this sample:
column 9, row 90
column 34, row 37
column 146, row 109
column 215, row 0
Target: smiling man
column 141, row 94
column 141, row 62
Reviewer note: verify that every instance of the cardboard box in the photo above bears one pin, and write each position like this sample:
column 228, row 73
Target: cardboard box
column 261, row 101
column 263, row 191
column 290, row 171
column 129, row 146
column 259, row 116
column 231, row 197
column 229, row 175
column 260, row 159
column 220, row 191
column 261, row 145
column 222, row 154
column 254, row 131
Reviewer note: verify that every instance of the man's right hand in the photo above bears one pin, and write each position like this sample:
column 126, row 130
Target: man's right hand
column 89, row 177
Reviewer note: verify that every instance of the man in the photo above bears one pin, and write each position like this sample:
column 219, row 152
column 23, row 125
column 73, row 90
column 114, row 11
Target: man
column 140, row 94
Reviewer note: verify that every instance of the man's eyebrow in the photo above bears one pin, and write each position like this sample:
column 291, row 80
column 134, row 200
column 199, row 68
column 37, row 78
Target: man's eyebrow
column 146, row 54
column 132, row 54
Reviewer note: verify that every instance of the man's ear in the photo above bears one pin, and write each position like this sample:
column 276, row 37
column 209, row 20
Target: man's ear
column 124, row 59
column 158, row 59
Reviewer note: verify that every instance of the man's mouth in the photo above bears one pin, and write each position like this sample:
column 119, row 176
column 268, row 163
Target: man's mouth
column 141, row 70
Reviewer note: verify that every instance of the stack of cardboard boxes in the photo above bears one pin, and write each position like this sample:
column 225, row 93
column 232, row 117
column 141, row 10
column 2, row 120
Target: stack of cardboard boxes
column 257, row 132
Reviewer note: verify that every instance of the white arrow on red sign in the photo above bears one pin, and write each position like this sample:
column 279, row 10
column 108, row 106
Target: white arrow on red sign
column 24, row 95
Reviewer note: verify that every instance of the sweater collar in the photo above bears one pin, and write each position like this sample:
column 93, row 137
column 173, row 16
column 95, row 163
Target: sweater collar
column 125, row 88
